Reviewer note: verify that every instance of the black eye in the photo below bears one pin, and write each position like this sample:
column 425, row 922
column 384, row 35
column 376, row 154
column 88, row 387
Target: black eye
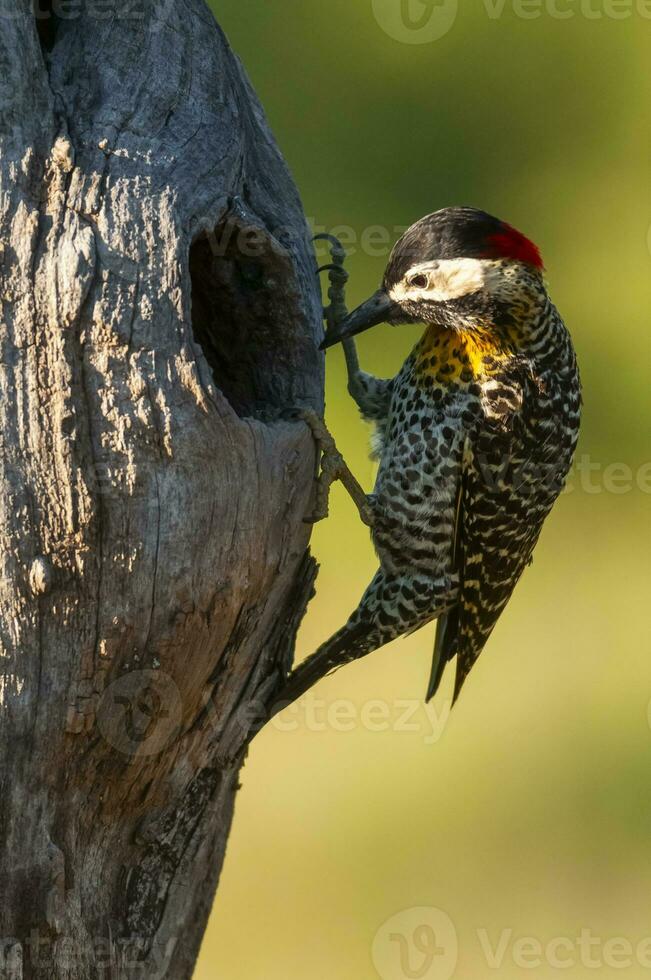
column 419, row 281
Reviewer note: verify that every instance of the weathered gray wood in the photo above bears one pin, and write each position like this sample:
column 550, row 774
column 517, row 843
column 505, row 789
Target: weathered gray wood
column 153, row 557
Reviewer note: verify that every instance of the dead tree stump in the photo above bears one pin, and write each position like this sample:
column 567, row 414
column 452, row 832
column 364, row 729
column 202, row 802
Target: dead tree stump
column 159, row 325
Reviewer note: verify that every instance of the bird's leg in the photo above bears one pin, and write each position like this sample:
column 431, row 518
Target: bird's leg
column 333, row 467
column 332, row 464
column 372, row 395
column 337, row 311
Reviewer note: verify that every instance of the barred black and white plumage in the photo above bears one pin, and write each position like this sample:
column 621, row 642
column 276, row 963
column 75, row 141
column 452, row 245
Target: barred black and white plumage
column 475, row 437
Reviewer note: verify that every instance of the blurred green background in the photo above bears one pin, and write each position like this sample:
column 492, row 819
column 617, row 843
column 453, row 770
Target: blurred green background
column 532, row 811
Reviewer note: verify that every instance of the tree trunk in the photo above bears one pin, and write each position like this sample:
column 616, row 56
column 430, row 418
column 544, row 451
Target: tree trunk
column 158, row 324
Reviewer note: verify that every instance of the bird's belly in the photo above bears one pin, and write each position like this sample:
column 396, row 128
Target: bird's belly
column 415, row 497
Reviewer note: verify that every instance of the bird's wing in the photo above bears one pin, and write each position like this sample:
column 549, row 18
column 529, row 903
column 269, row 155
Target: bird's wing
column 447, row 623
column 499, row 517
column 511, row 483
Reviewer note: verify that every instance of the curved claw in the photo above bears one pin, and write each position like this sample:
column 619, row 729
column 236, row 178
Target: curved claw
column 338, row 250
column 326, row 237
column 337, row 272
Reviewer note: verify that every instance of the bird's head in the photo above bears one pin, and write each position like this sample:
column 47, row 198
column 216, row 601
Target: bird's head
column 458, row 268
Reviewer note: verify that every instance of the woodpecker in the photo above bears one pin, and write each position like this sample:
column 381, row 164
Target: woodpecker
column 475, row 437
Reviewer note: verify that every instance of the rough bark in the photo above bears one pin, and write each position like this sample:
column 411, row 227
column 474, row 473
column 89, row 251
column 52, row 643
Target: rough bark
column 158, row 324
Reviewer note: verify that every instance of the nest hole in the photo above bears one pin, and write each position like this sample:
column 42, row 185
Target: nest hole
column 243, row 310
column 47, row 22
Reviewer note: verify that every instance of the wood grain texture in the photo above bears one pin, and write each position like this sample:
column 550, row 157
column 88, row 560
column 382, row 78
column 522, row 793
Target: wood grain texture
column 153, row 555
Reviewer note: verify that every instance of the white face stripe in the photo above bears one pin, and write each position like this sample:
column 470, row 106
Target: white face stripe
column 447, row 279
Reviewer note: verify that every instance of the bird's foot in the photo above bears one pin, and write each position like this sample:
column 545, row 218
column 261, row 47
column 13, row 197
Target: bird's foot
column 337, row 311
column 332, row 466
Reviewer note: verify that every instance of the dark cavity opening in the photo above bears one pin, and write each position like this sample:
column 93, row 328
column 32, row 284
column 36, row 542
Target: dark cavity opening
column 47, row 22
column 245, row 317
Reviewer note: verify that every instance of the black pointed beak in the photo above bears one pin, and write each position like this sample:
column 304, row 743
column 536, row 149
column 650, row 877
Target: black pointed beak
column 378, row 309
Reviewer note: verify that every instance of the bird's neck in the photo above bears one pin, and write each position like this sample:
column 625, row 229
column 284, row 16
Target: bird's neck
column 463, row 357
